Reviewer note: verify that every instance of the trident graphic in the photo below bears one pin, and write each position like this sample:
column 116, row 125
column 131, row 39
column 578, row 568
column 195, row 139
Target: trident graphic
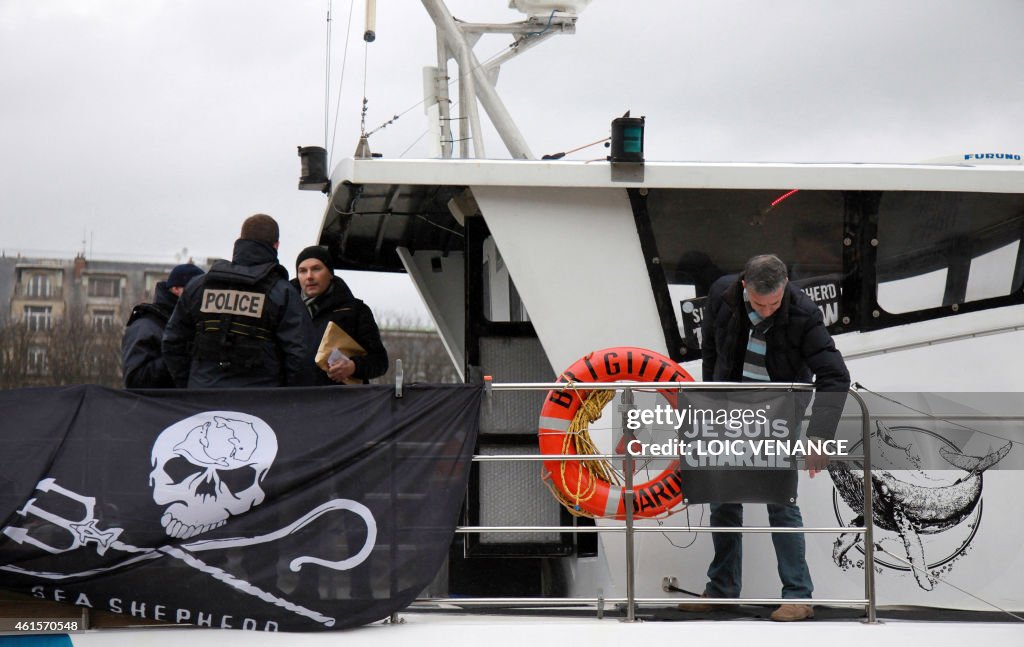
column 81, row 531
column 85, row 530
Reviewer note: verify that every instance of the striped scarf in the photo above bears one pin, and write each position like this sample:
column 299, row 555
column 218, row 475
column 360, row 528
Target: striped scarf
column 314, row 304
column 754, row 367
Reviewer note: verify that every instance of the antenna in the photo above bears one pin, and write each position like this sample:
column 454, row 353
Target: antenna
column 370, row 34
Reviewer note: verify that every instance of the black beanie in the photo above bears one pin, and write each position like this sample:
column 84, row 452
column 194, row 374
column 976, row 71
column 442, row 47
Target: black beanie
column 182, row 274
column 318, row 252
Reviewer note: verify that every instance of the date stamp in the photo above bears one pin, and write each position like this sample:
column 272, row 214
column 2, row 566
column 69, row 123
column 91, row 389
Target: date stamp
column 39, row 625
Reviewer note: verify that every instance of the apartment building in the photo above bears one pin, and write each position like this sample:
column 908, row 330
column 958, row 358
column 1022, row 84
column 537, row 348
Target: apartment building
column 42, row 292
column 97, row 296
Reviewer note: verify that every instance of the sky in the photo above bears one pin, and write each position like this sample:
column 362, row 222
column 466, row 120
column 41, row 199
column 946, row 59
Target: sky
column 149, row 130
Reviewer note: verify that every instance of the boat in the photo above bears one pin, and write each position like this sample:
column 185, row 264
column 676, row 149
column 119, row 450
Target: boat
column 527, row 265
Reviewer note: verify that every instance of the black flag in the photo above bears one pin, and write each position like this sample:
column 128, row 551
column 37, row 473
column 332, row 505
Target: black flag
column 266, row 509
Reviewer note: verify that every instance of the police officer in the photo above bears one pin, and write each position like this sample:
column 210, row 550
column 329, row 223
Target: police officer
column 241, row 324
column 142, row 363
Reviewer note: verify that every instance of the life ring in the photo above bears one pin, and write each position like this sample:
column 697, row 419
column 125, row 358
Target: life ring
column 586, row 488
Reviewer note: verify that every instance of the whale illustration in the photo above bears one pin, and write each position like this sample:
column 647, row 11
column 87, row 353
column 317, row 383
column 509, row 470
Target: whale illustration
column 908, row 509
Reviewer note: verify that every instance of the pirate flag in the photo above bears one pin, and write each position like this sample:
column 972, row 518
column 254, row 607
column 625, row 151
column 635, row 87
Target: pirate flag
column 264, row 509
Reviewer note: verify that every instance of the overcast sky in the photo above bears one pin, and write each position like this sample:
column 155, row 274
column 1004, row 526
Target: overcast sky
column 139, row 129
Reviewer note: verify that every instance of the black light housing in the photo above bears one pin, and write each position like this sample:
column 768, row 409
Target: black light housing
column 314, row 169
column 627, row 140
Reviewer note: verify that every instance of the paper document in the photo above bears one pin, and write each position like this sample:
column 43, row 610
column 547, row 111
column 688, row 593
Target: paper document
column 336, row 339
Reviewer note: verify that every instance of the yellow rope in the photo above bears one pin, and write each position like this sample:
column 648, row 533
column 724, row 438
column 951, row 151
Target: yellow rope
column 577, row 440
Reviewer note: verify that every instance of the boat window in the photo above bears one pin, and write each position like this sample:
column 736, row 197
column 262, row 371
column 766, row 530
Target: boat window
column 501, row 300
column 992, row 273
column 940, row 249
column 913, row 293
column 702, row 234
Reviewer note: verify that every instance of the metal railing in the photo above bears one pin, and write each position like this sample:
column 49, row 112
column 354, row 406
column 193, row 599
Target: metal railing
column 630, row 529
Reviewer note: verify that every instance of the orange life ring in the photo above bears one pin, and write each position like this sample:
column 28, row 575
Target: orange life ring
column 578, row 485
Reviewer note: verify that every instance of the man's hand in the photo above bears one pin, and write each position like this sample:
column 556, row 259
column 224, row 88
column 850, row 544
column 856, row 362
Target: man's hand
column 816, row 462
column 341, row 369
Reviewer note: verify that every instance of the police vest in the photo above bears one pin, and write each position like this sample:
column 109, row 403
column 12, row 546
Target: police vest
column 235, row 318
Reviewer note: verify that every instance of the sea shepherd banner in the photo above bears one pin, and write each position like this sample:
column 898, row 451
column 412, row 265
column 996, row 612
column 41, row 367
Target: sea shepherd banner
column 264, row 509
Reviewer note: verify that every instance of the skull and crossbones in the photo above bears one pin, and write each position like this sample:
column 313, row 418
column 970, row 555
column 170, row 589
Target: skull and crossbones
column 206, row 470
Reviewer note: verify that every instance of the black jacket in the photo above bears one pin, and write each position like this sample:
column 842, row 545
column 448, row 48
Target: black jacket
column 142, row 363
column 354, row 317
column 277, row 358
column 798, row 348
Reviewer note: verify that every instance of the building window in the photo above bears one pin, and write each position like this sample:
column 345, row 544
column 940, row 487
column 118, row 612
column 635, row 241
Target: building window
column 39, row 286
column 36, row 360
column 104, row 287
column 102, row 319
column 152, row 280
column 38, row 318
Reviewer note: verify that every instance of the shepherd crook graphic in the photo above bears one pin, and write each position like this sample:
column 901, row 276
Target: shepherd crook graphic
column 296, row 564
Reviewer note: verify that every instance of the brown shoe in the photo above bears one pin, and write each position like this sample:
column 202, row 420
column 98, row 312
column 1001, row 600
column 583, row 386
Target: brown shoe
column 702, row 607
column 792, row 613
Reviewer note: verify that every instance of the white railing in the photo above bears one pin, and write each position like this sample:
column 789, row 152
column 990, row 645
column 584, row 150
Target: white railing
column 630, row 529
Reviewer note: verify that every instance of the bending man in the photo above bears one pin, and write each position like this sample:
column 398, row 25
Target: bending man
column 759, row 328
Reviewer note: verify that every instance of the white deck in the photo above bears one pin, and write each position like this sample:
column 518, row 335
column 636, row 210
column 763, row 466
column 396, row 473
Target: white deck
column 519, row 631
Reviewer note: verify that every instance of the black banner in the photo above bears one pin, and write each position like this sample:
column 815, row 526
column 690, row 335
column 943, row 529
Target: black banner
column 825, row 291
column 264, row 509
column 738, row 446
column 692, row 315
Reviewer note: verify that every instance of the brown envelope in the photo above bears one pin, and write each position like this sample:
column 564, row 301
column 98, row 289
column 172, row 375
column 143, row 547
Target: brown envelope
column 336, row 337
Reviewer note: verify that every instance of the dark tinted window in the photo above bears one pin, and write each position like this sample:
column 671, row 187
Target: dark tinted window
column 944, row 248
column 701, row 235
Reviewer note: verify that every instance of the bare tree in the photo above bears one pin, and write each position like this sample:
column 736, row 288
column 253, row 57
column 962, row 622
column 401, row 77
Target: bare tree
column 15, row 343
column 70, row 349
column 74, row 350
column 77, row 351
column 419, row 346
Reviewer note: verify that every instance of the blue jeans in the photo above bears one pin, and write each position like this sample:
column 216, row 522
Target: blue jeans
column 725, row 574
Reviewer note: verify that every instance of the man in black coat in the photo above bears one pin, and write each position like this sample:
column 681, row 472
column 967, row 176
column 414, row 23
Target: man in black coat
column 759, row 328
column 242, row 324
column 329, row 299
column 142, row 362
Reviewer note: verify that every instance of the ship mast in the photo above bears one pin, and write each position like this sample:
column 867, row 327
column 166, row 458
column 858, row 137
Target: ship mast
column 455, row 40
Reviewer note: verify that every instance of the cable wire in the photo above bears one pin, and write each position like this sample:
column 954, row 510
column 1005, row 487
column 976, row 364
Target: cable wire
column 546, row 27
column 668, row 538
column 861, row 387
column 451, row 80
column 366, row 59
column 879, row 548
column 327, row 74
column 341, row 82
column 414, row 142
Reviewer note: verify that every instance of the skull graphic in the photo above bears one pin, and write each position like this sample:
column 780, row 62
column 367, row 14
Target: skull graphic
column 209, row 467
